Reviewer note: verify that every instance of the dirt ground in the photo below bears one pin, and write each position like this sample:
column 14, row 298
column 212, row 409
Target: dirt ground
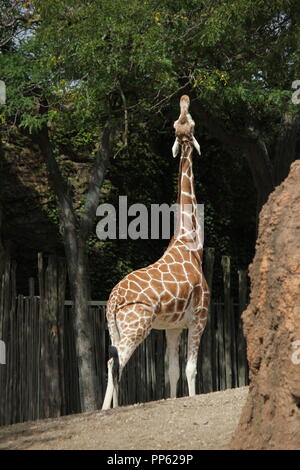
column 201, row 422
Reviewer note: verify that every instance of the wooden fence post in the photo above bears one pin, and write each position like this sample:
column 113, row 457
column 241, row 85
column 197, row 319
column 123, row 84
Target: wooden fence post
column 241, row 342
column 228, row 322
column 8, row 373
column 52, row 280
column 220, row 347
column 98, row 324
column 31, row 286
column 207, row 347
column 40, row 378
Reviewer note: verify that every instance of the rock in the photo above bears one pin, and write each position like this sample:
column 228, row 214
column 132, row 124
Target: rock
column 271, row 416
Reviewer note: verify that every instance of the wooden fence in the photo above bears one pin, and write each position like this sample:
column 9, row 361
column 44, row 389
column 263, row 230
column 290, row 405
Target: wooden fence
column 40, row 378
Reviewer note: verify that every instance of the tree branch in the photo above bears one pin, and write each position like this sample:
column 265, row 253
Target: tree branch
column 68, row 217
column 102, row 159
column 57, row 182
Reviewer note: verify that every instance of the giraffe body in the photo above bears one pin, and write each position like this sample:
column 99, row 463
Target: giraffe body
column 152, row 287
column 170, row 294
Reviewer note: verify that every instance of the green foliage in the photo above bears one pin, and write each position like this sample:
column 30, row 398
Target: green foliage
column 253, row 45
column 76, row 64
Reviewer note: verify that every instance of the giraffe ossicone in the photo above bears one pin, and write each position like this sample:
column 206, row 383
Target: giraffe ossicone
column 170, row 294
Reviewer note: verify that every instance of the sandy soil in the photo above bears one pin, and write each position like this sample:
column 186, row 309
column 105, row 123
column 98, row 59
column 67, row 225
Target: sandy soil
column 201, row 422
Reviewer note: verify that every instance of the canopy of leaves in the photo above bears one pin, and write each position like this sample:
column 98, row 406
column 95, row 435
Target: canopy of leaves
column 76, row 64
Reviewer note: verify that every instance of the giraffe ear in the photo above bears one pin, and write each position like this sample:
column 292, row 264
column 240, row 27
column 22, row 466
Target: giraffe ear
column 175, row 148
column 196, row 145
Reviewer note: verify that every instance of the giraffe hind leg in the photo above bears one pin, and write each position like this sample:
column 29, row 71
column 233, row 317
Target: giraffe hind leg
column 137, row 326
column 115, row 373
column 113, row 352
column 194, row 337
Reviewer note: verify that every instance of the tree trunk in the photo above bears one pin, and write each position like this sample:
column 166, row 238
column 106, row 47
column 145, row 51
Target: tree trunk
column 2, row 250
column 75, row 232
column 80, row 292
column 261, row 169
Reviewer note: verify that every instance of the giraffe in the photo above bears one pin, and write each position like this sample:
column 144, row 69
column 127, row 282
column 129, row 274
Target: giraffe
column 171, row 294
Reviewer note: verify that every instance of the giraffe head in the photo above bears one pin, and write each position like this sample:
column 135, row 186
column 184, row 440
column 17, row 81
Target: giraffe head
column 184, row 128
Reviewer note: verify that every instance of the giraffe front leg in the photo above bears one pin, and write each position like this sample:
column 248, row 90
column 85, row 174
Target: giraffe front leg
column 172, row 356
column 194, row 337
column 116, row 395
column 191, row 372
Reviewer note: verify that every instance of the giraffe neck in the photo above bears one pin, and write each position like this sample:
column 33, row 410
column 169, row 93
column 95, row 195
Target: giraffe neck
column 188, row 229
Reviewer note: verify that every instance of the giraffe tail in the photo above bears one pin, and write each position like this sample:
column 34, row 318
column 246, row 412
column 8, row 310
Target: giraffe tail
column 113, row 353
